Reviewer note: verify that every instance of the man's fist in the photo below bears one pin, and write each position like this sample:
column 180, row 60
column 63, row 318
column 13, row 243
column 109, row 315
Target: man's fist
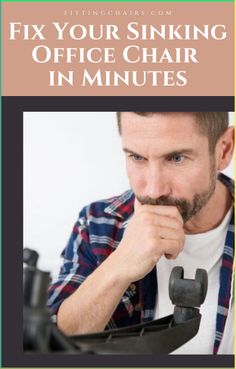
column 152, row 232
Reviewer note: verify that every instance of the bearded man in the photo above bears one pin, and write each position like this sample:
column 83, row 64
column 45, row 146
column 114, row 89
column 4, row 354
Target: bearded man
column 179, row 211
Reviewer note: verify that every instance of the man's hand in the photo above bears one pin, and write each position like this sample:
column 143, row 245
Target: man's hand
column 153, row 231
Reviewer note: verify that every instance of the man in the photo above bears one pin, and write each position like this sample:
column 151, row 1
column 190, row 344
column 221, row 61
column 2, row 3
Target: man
column 179, row 212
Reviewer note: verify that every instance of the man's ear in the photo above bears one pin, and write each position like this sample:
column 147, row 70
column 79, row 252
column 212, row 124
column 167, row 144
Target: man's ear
column 225, row 149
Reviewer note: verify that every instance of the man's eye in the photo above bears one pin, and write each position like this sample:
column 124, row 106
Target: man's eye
column 135, row 157
column 177, row 158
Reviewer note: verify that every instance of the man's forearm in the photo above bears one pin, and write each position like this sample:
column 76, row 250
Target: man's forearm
column 91, row 306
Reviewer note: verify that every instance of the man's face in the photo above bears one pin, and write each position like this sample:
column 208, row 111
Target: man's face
column 168, row 161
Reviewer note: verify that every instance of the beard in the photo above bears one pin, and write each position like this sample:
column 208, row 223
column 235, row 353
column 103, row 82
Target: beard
column 187, row 208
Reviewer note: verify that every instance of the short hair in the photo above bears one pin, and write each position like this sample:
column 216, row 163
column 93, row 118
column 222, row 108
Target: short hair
column 210, row 124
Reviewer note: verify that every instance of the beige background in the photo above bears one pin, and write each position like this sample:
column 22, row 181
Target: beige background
column 212, row 76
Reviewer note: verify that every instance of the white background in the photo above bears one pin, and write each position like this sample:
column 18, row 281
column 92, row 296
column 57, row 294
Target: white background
column 70, row 160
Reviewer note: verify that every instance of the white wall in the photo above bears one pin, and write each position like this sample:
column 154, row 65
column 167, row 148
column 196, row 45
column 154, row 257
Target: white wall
column 70, row 159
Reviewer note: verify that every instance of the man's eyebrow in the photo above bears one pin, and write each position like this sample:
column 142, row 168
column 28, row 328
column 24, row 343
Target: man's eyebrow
column 128, row 151
column 180, row 151
column 171, row 153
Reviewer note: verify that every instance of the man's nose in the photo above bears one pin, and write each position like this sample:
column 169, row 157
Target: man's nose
column 157, row 184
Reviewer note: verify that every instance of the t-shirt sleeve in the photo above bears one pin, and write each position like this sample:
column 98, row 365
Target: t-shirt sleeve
column 78, row 263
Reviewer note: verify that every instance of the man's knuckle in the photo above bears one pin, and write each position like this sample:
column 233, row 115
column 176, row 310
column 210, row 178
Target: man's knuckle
column 146, row 218
column 174, row 210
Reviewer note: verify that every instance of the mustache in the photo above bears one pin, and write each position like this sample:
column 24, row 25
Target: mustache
column 182, row 205
column 162, row 200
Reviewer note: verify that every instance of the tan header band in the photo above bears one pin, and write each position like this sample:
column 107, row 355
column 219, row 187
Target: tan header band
column 117, row 49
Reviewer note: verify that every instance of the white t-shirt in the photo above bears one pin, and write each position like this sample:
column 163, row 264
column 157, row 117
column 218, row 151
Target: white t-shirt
column 205, row 251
